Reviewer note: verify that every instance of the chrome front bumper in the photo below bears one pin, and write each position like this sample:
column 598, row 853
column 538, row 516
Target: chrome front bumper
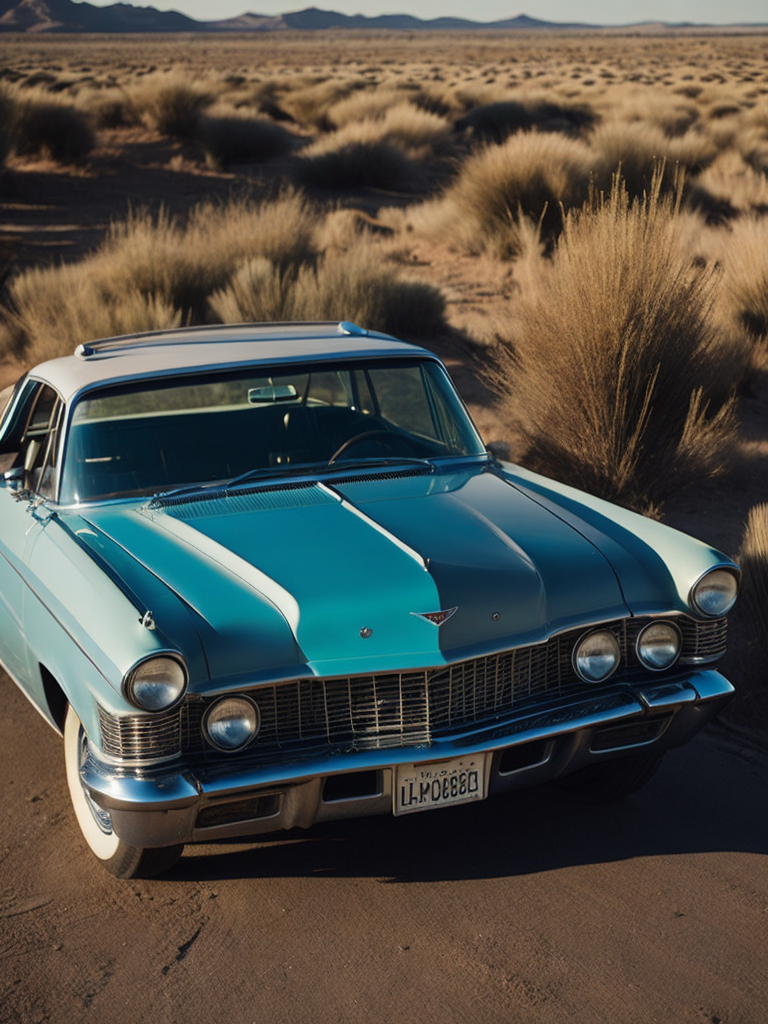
column 173, row 804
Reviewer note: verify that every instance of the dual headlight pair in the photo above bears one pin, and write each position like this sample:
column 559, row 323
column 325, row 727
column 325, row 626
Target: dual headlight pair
column 160, row 682
column 596, row 656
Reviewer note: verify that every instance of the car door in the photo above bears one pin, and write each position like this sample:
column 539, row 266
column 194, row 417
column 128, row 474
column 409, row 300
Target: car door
column 30, row 443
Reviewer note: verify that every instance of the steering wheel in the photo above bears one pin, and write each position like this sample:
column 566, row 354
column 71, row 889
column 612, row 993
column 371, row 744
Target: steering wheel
column 366, row 434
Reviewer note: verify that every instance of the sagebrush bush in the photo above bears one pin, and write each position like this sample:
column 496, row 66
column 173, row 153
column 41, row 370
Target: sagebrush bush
column 107, row 108
column 50, row 127
column 636, row 149
column 611, row 359
column 309, row 105
column 531, row 175
column 170, row 102
column 227, row 135
column 54, row 309
column 729, row 187
column 356, row 164
column 363, row 105
column 7, row 120
column 152, row 271
column 745, row 276
column 495, row 122
column 348, row 286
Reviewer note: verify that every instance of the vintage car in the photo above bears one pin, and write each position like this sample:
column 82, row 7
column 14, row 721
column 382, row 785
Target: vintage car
column 263, row 576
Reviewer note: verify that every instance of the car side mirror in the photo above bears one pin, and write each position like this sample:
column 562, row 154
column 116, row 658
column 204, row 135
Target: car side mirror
column 14, row 477
column 499, row 450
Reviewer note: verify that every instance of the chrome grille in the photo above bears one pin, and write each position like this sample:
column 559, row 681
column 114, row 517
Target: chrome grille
column 703, row 641
column 396, row 709
column 146, row 737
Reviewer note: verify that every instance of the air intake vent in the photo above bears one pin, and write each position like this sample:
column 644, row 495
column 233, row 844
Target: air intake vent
column 201, row 506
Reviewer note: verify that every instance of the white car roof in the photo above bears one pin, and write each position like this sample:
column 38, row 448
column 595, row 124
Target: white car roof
column 201, row 348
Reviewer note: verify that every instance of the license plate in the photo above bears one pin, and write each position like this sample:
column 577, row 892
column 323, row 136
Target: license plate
column 420, row 787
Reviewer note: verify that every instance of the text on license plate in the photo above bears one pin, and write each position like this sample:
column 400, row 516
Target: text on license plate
column 419, row 787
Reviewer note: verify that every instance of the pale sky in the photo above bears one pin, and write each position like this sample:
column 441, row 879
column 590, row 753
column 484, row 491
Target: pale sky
column 620, row 12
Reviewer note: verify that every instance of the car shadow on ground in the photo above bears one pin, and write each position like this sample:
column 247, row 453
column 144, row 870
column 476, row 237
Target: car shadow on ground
column 702, row 799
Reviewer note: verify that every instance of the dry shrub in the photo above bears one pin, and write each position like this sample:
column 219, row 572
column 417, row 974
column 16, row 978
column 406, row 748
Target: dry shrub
column 531, row 175
column 7, row 119
column 745, row 277
column 634, row 148
column 728, row 188
column 347, row 286
column 170, row 102
column 495, row 122
column 612, row 362
column 152, row 271
column 379, row 153
column 309, row 105
column 226, row 135
column 363, row 105
column 50, row 127
column 57, row 308
column 752, row 613
column 331, row 163
column 107, row 108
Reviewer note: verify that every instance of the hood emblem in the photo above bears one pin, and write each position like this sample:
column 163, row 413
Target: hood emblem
column 436, row 618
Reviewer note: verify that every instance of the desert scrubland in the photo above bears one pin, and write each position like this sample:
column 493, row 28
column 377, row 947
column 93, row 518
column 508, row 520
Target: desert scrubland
column 577, row 223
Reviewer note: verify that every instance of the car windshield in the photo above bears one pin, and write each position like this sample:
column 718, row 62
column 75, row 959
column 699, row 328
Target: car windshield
column 154, row 436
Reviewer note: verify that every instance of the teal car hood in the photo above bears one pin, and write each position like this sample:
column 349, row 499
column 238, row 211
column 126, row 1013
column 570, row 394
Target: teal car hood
column 338, row 577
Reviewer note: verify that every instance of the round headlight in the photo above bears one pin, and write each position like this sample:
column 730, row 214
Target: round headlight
column 596, row 656
column 157, row 683
column 232, row 723
column 715, row 593
column 658, row 645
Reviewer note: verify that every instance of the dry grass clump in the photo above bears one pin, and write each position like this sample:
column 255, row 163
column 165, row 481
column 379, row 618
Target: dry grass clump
column 753, row 610
column 169, row 102
column 309, row 105
column 495, row 122
column 7, row 117
column 612, row 362
column 363, row 105
column 56, row 308
column 151, row 272
column 352, row 285
column 334, row 163
column 108, row 107
column 532, row 176
column 745, row 276
column 226, row 134
column 730, row 187
column 42, row 125
column 382, row 152
column 636, row 148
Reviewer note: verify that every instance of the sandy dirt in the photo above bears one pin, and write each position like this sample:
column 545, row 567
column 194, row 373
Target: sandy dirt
column 526, row 909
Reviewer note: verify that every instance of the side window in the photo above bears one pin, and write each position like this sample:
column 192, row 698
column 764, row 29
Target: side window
column 39, row 446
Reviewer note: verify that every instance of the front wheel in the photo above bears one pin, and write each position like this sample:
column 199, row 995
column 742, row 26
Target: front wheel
column 610, row 780
column 118, row 857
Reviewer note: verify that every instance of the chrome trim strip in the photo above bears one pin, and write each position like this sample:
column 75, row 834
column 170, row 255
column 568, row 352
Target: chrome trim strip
column 349, row 507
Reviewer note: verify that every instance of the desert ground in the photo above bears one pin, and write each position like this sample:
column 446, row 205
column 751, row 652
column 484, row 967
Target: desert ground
column 465, row 187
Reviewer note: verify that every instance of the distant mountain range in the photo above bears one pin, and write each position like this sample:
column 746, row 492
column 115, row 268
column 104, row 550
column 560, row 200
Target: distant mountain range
column 46, row 16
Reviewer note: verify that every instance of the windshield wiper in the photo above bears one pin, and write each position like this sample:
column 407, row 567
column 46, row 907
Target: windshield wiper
column 311, row 468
